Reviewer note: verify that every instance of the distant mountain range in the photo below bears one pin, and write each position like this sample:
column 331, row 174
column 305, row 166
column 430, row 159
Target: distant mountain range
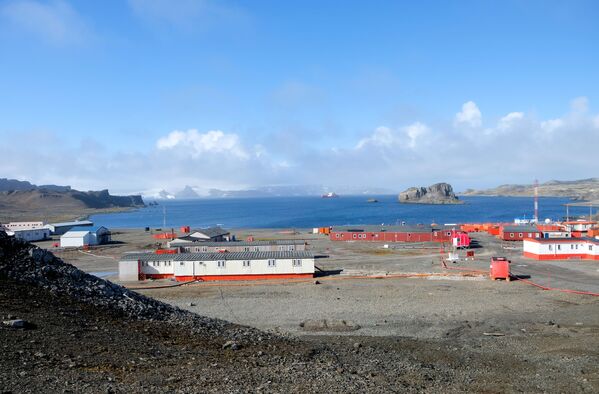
column 16, row 185
column 190, row 192
column 582, row 189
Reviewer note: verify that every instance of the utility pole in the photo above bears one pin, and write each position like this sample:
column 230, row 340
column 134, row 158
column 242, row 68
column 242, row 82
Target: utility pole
column 536, row 201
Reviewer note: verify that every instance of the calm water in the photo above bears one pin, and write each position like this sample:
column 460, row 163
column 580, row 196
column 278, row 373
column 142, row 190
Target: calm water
column 306, row 212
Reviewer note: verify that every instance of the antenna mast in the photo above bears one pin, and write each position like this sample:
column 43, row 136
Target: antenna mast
column 536, row 201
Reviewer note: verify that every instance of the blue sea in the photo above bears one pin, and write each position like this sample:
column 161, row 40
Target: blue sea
column 307, row 212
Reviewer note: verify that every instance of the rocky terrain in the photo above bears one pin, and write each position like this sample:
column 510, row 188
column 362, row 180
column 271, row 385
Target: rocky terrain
column 54, row 203
column 583, row 189
column 439, row 193
column 62, row 330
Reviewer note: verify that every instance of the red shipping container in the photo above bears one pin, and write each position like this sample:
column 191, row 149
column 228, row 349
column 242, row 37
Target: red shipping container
column 500, row 268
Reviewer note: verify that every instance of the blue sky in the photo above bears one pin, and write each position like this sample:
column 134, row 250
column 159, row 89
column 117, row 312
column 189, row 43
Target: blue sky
column 160, row 94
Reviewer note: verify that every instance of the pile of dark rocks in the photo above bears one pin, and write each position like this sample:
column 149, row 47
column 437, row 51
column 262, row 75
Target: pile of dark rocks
column 28, row 264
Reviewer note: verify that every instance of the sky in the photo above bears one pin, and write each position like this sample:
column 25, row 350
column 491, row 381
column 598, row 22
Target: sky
column 142, row 95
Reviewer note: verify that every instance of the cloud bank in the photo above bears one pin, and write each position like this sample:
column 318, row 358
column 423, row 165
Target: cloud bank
column 516, row 147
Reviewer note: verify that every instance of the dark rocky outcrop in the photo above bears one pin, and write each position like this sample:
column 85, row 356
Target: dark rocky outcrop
column 439, row 193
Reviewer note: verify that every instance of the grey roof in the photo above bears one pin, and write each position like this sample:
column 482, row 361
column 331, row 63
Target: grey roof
column 241, row 243
column 391, row 229
column 211, row 231
column 521, row 229
column 217, row 256
column 594, row 241
column 77, row 223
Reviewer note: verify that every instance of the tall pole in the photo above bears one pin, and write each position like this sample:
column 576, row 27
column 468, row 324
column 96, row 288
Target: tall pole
column 536, row 201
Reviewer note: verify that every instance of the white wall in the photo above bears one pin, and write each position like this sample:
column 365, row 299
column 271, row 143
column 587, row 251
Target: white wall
column 236, row 267
column 77, row 241
column 32, row 235
column 561, row 248
column 163, row 267
column 128, row 271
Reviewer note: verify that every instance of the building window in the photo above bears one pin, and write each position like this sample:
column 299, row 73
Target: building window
column 246, row 249
column 182, row 263
column 354, row 236
column 297, row 263
column 559, row 247
column 272, row 263
column 336, row 235
column 520, row 235
column 529, row 235
column 220, row 264
column 590, row 247
column 246, row 263
column 550, row 247
column 511, row 235
column 448, row 233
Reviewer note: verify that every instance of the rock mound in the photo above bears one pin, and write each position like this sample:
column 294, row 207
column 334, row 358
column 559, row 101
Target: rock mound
column 26, row 264
column 439, row 193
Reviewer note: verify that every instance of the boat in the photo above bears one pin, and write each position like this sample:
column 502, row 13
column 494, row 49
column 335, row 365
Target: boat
column 330, row 195
column 372, row 200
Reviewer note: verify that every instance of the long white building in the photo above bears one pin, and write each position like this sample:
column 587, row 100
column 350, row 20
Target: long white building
column 29, row 234
column 561, row 248
column 217, row 266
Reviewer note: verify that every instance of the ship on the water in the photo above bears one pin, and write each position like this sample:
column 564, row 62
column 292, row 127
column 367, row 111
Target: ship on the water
column 330, row 195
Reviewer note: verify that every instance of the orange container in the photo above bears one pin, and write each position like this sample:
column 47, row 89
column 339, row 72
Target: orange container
column 500, row 268
column 166, row 251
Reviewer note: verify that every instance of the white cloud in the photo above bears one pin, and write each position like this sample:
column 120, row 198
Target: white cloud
column 404, row 137
column 198, row 144
column 414, row 132
column 596, row 122
column 552, row 125
column 580, row 105
column 470, row 115
column 509, row 120
column 382, row 137
column 55, row 22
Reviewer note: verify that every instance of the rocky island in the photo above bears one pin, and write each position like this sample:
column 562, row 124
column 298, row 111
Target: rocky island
column 439, row 193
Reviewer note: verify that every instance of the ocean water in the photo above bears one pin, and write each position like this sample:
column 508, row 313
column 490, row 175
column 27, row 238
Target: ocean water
column 307, row 212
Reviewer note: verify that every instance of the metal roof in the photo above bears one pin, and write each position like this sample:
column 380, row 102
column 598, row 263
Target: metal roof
column 564, row 240
column 211, row 231
column 217, row 256
column 241, row 243
column 392, row 229
column 76, row 223
column 521, row 229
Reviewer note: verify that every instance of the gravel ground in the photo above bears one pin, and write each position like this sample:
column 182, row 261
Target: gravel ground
column 84, row 334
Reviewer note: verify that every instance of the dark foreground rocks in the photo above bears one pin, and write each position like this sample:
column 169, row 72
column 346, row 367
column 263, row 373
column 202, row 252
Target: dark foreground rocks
column 84, row 334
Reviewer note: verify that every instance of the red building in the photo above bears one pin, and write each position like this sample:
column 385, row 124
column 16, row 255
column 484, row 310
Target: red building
column 518, row 233
column 392, row 233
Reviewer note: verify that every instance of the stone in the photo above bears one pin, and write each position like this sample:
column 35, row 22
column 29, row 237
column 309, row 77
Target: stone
column 17, row 323
column 231, row 345
column 439, row 193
